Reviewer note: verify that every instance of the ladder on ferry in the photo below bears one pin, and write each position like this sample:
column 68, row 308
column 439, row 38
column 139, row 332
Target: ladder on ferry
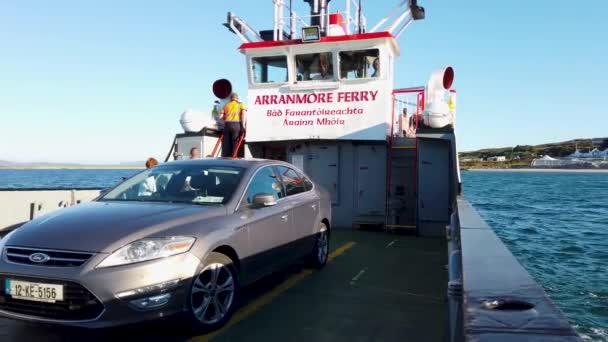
column 402, row 178
column 235, row 153
column 401, row 198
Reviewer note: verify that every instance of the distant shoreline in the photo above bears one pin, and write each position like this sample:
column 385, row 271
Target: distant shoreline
column 544, row 170
column 71, row 167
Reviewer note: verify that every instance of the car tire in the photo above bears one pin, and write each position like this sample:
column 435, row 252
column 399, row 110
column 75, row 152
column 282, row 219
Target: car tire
column 212, row 301
column 318, row 256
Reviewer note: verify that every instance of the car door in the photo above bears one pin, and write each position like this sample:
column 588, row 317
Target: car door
column 305, row 209
column 269, row 227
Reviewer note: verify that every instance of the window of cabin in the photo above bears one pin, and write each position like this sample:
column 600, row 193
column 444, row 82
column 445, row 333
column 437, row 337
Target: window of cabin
column 359, row 64
column 272, row 69
column 314, row 66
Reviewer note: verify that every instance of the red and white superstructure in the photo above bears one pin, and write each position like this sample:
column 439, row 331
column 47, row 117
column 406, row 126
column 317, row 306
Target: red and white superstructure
column 288, row 97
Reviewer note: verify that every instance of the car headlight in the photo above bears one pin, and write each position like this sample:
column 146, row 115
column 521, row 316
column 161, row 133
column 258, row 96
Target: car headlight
column 3, row 241
column 148, row 249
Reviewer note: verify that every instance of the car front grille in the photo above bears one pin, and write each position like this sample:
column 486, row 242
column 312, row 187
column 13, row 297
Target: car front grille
column 79, row 304
column 22, row 255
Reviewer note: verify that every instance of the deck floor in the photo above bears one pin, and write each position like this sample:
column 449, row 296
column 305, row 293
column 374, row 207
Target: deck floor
column 377, row 287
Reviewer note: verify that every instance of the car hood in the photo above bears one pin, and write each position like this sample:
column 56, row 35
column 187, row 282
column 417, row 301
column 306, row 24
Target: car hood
column 106, row 226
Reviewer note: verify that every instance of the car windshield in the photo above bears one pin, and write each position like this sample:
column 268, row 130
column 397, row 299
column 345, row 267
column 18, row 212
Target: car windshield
column 195, row 184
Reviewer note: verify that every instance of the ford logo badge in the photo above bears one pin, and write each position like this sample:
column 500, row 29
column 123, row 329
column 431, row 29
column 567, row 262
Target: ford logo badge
column 39, row 258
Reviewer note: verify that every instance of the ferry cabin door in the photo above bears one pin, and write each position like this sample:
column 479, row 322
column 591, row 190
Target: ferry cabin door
column 370, row 191
column 323, row 168
column 433, row 186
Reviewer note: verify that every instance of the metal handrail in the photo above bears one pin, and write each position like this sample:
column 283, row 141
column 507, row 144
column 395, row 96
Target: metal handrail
column 280, row 18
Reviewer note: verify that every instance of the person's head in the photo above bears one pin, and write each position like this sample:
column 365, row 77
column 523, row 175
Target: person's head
column 151, row 162
column 195, row 153
column 376, row 64
column 324, row 64
column 234, row 97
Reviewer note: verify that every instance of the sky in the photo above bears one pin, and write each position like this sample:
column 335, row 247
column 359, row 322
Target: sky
column 107, row 81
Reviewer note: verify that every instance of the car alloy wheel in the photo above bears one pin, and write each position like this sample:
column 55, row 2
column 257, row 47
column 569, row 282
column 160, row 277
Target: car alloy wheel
column 322, row 246
column 318, row 257
column 214, row 292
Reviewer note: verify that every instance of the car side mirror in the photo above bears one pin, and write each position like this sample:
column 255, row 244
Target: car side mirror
column 262, row 200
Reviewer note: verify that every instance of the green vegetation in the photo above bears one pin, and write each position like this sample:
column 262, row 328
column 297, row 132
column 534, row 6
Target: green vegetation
column 521, row 155
column 516, row 164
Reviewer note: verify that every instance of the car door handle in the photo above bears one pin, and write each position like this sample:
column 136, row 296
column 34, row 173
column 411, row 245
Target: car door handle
column 314, row 207
column 285, row 217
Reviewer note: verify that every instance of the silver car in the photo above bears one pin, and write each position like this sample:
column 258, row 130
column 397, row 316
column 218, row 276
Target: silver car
column 182, row 237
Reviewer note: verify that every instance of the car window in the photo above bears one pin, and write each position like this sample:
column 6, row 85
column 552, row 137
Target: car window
column 179, row 183
column 294, row 182
column 307, row 184
column 264, row 181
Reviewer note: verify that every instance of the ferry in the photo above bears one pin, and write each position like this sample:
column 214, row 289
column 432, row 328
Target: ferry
column 411, row 259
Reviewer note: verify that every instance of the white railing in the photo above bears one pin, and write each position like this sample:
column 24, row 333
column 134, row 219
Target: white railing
column 240, row 27
column 396, row 22
column 408, row 108
column 283, row 14
column 359, row 21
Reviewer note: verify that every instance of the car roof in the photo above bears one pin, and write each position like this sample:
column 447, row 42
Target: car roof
column 235, row 162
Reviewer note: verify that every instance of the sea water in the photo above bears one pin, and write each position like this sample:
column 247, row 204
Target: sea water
column 62, row 178
column 556, row 225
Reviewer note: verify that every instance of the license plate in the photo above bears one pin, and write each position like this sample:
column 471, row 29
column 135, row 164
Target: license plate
column 38, row 292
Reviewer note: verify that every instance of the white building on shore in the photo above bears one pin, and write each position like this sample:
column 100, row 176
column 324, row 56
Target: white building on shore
column 497, row 158
column 593, row 154
column 548, row 161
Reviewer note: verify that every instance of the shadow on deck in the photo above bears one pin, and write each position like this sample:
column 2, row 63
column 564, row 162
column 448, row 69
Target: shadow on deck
column 385, row 288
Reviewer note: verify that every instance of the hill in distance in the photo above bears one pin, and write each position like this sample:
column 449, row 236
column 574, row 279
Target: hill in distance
column 528, row 152
column 4, row 164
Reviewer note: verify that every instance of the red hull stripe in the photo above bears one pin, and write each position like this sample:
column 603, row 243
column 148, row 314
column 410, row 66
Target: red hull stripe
column 329, row 39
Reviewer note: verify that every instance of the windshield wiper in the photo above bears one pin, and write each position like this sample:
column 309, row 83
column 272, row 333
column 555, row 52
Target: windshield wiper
column 134, row 200
column 158, row 201
column 199, row 203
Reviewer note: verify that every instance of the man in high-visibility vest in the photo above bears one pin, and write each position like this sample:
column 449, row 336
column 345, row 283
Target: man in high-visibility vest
column 234, row 123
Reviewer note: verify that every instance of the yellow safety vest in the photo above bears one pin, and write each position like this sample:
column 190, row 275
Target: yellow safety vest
column 451, row 103
column 232, row 111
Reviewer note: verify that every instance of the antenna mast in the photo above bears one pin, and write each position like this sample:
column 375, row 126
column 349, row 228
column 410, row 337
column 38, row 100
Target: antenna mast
column 407, row 10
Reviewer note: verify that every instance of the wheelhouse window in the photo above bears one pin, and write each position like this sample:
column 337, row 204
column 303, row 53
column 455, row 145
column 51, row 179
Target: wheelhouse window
column 314, row 67
column 271, row 69
column 359, row 64
column 194, row 184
